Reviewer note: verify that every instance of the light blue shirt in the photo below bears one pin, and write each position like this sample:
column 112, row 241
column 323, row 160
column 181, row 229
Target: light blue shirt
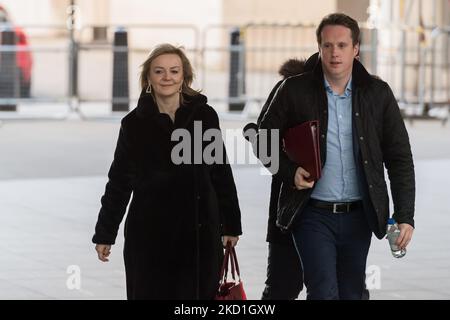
column 339, row 181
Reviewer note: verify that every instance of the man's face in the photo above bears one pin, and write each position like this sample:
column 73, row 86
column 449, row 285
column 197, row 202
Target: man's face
column 337, row 52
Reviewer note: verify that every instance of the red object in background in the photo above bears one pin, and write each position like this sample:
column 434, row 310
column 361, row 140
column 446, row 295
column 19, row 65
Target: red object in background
column 24, row 60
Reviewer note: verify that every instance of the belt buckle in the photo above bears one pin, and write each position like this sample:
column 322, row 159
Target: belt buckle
column 335, row 207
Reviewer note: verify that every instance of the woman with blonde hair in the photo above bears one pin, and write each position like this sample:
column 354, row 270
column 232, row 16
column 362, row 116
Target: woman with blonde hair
column 181, row 214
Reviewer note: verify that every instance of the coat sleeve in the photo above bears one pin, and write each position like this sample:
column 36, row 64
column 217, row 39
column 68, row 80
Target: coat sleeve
column 398, row 160
column 251, row 129
column 267, row 103
column 276, row 120
column 117, row 192
column 225, row 188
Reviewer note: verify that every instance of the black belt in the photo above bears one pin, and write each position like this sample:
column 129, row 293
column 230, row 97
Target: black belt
column 335, row 207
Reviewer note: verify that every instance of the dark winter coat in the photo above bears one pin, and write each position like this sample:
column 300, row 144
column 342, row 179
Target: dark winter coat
column 380, row 138
column 288, row 69
column 177, row 214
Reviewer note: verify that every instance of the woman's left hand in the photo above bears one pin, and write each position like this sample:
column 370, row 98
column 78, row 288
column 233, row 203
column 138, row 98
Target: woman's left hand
column 233, row 240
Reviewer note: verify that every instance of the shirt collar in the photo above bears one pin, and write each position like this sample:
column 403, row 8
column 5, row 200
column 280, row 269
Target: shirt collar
column 348, row 88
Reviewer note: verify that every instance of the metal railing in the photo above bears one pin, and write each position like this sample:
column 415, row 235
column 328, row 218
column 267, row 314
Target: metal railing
column 236, row 66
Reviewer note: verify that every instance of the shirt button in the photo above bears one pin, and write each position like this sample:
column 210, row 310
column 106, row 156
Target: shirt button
column 322, row 136
column 198, row 197
column 366, row 162
column 370, row 186
column 357, row 114
column 361, row 138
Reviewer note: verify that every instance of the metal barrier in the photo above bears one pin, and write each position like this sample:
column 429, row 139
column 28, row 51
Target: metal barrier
column 261, row 51
column 234, row 65
column 242, row 73
column 34, row 73
column 416, row 65
column 108, row 88
column 267, row 47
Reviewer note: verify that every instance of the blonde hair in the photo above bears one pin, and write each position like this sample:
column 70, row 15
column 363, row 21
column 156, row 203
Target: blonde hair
column 188, row 72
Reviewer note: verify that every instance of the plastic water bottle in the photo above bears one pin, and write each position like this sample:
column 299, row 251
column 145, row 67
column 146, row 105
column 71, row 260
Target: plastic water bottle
column 393, row 232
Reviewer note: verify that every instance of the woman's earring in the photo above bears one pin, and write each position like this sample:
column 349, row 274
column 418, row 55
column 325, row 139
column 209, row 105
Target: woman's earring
column 149, row 89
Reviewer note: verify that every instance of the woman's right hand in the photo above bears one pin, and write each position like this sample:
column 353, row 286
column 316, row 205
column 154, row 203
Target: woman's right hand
column 103, row 251
column 232, row 239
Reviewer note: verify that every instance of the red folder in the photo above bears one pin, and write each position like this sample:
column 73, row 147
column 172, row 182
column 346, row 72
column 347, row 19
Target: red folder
column 301, row 144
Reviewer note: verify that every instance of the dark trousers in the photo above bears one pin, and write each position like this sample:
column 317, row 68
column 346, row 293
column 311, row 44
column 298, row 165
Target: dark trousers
column 284, row 273
column 333, row 248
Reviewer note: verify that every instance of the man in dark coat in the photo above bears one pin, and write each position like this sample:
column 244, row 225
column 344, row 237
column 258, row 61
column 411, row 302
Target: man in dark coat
column 179, row 211
column 361, row 129
column 284, row 271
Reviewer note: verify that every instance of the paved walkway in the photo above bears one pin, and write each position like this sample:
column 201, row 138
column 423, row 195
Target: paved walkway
column 52, row 175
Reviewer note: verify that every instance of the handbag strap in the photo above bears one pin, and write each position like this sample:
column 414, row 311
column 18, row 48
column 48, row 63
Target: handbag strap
column 232, row 261
column 230, row 256
column 234, row 258
column 224, row 269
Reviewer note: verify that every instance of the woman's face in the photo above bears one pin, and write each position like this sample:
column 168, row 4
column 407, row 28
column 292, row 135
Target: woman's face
column 166, row 75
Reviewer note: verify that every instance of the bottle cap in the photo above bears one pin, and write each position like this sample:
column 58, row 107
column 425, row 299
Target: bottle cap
column 391, row 221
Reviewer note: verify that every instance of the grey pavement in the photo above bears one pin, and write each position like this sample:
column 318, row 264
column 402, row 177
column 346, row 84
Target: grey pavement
column 52, row 174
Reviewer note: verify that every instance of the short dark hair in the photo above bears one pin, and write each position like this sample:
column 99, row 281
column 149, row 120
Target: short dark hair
column 339, row 19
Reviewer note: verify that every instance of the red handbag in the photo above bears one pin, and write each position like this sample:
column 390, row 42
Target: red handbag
column 233, row 290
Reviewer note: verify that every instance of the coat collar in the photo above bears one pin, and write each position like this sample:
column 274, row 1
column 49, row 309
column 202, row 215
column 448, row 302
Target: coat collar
column 146, row 106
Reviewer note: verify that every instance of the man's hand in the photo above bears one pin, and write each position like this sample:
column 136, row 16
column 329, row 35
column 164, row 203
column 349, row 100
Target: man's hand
column 406, row 232
column 300, row 179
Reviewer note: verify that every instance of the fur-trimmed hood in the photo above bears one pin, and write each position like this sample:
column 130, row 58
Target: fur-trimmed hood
column 292, row 67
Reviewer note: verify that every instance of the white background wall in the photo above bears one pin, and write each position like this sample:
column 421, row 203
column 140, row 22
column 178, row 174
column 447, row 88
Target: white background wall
column 197, row 12
column 35, row 11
